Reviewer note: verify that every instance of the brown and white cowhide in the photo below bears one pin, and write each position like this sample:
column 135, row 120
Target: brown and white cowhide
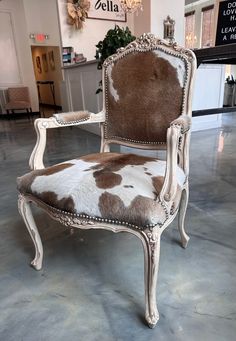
column 123, row 187
column 144, row 115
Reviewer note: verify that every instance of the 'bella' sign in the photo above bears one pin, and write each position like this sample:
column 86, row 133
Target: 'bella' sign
column 226, row 25
column 107, row 10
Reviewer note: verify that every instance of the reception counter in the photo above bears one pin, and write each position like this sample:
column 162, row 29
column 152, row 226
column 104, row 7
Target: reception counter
column 78, row 90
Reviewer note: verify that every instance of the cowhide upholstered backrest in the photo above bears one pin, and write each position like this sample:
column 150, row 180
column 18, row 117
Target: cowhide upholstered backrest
column 146, row 86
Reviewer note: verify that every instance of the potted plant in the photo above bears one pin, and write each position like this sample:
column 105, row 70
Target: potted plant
column 229, row 91
column 114, row 39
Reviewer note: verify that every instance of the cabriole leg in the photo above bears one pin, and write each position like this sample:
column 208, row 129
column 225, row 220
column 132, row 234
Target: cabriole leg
column 25, row 211
column 151, row 246
column 182, row 214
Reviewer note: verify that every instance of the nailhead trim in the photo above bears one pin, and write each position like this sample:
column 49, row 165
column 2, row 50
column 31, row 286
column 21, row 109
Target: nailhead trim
column 135, row 141
column 91, row 219
column 61, row 122
column 71, row 122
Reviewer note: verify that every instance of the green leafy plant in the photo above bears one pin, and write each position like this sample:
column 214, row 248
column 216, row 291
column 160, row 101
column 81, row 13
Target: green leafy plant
column 114, row 39
column 230, row 80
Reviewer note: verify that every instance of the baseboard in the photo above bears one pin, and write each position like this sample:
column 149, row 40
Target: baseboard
column 51, row 106
column 19, row 115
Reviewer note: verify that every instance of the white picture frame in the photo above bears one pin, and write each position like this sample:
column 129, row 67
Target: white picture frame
column 106, row 10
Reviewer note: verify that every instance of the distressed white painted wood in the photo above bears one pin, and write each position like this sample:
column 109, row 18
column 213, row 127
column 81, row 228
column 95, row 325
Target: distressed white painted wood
column 182, row 213
column 42, row 124
column 25, row 211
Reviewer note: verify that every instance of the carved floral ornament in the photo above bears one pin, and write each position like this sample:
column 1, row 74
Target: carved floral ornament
column 77, row 12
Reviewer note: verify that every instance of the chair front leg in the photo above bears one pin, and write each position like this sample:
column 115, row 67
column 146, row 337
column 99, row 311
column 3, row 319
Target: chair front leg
column 151, row 245
column 25, row 211
column 182, row 214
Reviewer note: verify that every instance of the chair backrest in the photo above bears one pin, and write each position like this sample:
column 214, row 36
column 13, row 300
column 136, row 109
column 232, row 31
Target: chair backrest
column 18, row 94
column 146, row 86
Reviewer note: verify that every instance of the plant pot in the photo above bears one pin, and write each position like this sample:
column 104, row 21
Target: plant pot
column 229, row 95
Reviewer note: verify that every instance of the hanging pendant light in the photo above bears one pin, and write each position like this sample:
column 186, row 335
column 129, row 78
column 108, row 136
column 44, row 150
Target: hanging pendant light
column 131, row 6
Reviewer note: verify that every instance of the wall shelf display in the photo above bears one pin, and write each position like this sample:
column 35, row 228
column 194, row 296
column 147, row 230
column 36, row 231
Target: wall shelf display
column 67, row 55
column 106, row 10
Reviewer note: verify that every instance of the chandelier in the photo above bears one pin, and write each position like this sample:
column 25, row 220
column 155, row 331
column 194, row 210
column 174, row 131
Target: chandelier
column 130, row 6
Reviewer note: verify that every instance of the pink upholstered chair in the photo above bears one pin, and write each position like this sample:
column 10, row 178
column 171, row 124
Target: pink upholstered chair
column 147, row 89
column 19, row 99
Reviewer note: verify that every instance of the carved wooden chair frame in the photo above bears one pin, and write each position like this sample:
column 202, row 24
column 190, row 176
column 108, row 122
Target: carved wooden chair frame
column 178, row 135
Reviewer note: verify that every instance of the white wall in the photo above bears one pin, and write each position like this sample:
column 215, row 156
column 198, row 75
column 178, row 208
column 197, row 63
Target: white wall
column 160, row 9
column 142, row 21
column 209, row 86
column 24, row 60
column 42, row 17
column 29, row 16
column 84, row 40
column 153, row 15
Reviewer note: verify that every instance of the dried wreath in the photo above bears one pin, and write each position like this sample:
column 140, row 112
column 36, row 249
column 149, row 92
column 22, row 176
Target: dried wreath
column 77, row 12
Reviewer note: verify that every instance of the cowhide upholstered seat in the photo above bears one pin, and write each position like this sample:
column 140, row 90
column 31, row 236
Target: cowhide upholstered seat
column 147, row 88
column 122, row 188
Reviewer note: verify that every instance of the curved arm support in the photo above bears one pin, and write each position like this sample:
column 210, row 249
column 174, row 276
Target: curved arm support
column 58, row 121
column 170, row 183
column 184, row 122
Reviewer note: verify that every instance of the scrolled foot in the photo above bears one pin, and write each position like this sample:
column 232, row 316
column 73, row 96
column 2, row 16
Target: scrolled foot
column 182, row 212
column 152, row 320
column 37, row 263
column 184, row 241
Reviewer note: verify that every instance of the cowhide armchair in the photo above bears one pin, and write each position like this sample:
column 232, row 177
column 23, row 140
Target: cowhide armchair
column 147, row 89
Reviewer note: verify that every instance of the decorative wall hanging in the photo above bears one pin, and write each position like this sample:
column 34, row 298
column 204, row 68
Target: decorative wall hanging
column 45, row 62
column 169, row 29
column 106, row 10
column 131, row 6
column 77, row 12
column 38, row 64
column 51, row 60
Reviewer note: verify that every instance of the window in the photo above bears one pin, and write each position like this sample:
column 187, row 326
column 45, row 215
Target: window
column 189, row 29
column 207, row 25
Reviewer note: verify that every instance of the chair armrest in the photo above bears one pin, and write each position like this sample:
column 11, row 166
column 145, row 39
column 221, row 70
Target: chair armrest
column 57, row 121
column 184, row 122
column 72, row 117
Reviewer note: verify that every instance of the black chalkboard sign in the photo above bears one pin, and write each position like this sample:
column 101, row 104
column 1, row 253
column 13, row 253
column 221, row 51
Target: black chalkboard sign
column 226, row 25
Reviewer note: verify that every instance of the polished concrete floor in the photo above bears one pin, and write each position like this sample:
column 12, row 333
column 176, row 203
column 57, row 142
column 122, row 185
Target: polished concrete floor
column 91, row 286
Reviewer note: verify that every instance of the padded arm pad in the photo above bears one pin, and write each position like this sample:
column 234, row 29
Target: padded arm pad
column 72, row 117
column 184, row 122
